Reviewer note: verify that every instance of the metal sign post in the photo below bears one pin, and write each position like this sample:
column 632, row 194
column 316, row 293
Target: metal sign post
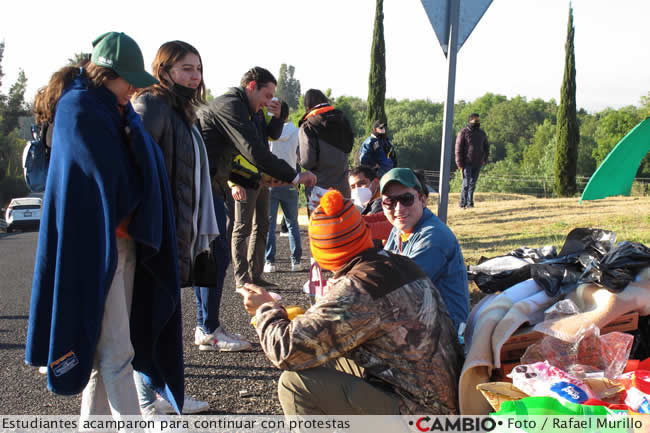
column 452, row 23
column 448, row 119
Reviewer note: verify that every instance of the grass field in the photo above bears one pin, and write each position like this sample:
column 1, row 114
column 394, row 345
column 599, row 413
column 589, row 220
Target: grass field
column 501, row 223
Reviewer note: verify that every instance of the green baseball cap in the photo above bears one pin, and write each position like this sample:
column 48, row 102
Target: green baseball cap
column 120, row 53
column 405, row 176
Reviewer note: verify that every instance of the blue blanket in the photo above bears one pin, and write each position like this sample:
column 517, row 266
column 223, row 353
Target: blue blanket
column 103, row 168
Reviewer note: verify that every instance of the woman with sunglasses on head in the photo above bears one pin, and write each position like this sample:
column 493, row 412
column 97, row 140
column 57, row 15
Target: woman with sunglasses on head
column 106, row 241
column 420, row 235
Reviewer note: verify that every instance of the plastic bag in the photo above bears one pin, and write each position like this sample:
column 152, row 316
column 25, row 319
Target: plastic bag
column 586, row 352
column 549, row 406
column 543, row 379
column 314, row 197
column 589, row 353
column 316, row 286
column 556, row 274
column 618, row 267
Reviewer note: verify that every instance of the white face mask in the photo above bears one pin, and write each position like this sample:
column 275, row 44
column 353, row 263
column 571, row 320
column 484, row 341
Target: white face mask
column 360, row 196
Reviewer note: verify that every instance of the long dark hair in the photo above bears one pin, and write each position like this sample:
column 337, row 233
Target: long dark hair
column 168, row 54
column 47, row 97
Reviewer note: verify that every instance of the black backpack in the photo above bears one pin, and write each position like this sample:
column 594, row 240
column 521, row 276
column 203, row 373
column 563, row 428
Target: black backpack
column 36, row 160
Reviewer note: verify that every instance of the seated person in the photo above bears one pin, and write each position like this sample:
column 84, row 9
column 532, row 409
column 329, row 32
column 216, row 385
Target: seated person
column 364, row 187
column 419, row 234
column 379, row 341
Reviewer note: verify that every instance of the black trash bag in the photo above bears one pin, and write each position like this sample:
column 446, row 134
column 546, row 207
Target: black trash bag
column 618, row 267
column 595, row 241
column 581, row 248
column 556, row 279
column 499, row 273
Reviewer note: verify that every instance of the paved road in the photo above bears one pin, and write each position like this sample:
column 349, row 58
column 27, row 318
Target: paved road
column 212, row 376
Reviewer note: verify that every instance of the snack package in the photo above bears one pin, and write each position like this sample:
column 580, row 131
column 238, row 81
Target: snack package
column 496, row 393
column 637, row 386
column 542, row 379
column 314, row 198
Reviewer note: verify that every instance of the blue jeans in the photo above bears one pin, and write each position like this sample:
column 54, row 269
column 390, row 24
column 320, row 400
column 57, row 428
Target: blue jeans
column 470, row 176
column 208, row 299
column 287, row 197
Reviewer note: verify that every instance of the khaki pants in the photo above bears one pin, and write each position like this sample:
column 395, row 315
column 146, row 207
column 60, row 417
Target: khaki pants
column 336, row 388
column 249, row 232
column 111, row 389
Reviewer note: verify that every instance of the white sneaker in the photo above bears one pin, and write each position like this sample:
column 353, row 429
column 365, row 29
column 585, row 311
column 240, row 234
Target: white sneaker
column 200, row 337
column 269, row 268
column 42, row 370
column 223, row 342
column 190, row 406
column 284, row 234
column 296, row 267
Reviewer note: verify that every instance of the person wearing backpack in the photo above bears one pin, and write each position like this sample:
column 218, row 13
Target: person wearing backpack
column 325, row 141
column 105, row 296
column 168, row 112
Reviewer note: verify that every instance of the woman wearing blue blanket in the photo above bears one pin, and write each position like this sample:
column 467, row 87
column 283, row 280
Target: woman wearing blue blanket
column 107, row 226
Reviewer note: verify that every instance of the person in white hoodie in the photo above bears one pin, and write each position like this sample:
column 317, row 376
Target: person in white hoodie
column 286, row 148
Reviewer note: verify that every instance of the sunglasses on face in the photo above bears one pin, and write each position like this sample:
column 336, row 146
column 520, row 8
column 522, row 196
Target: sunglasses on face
column 407, row 199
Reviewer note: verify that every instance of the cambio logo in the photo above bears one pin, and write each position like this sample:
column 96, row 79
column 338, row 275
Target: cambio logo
column 454, row 424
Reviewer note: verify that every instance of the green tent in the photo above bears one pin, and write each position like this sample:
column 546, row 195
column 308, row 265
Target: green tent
column 616, row 173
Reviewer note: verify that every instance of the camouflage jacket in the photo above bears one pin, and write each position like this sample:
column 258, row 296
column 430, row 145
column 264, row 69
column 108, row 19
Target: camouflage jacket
column 381, row 311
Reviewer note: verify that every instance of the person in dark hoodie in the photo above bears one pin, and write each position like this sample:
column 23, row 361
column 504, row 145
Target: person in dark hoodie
column 325, row 141
column 472, row 151
column 105, row 294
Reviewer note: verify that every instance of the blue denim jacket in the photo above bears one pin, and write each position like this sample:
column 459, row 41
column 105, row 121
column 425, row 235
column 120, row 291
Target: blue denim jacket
column 434, row 247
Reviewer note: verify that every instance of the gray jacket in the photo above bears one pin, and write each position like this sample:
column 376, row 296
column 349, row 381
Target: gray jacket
column 174, row 137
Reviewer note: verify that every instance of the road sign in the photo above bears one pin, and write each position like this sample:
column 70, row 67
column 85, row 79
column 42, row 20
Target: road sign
column 470, row 13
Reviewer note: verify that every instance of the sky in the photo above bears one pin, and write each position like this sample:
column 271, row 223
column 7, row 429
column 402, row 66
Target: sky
column 516, row 49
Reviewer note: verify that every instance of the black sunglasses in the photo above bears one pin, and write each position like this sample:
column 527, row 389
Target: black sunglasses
column 407, row 199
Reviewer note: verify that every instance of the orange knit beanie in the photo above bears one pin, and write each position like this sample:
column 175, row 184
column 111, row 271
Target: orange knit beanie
column 337, row 232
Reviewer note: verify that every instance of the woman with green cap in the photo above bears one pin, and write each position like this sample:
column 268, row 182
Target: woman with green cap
column 107, row 226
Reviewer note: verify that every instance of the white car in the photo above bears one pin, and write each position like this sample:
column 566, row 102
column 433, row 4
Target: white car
column 23, row 213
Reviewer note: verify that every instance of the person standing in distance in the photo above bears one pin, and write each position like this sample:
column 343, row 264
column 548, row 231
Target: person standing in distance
column 377, row 151
column 472, row 151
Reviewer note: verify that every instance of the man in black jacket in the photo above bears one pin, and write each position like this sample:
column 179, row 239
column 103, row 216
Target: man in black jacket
column 472, row 152
column 233, row 124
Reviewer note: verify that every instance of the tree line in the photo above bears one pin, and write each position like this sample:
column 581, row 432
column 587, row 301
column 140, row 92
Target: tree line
column 521, row 132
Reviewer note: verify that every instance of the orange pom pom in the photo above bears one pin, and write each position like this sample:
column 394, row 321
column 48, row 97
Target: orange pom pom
column 331, row 202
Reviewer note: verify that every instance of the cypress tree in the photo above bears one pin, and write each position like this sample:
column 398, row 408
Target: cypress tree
column 567, row 133
column 377, row 79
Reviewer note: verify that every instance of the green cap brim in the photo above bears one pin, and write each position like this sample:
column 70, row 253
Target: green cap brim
column 139, row 79
column 404, row 176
